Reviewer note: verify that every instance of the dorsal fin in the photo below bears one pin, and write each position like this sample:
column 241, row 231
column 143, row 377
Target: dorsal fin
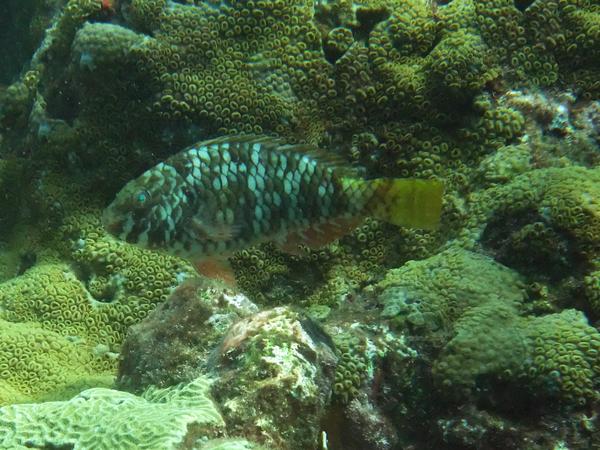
column 243, row 139
column 336, row 162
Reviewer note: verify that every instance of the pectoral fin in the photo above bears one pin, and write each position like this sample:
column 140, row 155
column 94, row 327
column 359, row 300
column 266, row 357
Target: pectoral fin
column 213, row 230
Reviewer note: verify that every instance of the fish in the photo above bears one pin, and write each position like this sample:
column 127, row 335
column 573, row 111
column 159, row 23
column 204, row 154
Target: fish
column 223, row 195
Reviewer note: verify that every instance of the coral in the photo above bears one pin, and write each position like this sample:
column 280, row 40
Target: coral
column 275, row 376
column 36, row 363
column 412, row 298
column 460, row 64
column 364, row 353
column 592, row 291
column 351, row 369
column 104, row 47
column 98, row 308
column 337, row 42
column 552, row 356
column 108, row 419
column 484, row 341
column 487, row 341
column 313, row 276
column 90, row 303
column 563, row 360
column 257, row 270
column 569, row 30
column 200, row 55
column 547, row 217
column 121, row 273
column 505, row 164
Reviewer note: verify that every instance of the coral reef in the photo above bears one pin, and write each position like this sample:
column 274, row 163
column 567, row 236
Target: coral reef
column 36, row 363
column 476, row 335
column 413, row 299
column 545, row 224
column 478, row 312
column 107, row 419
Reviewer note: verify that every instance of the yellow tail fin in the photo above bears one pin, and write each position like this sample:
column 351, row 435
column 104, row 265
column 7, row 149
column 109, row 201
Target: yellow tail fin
column 407, row 202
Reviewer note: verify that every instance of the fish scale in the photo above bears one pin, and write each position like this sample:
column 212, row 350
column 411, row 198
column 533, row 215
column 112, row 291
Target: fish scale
column 226, row 194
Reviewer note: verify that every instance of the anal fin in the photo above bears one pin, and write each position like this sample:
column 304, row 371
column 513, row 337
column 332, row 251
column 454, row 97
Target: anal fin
column 217, row 268
column 318, row 235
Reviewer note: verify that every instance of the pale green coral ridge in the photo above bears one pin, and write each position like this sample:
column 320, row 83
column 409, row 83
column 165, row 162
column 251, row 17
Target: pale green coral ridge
column 107, row 419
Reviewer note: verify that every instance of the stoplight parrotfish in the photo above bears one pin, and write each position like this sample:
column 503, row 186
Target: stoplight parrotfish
column 226, row 194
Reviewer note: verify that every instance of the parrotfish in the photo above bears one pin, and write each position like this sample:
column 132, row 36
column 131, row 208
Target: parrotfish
column 223, row 195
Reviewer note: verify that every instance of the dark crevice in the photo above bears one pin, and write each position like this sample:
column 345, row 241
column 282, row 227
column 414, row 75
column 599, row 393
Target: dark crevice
column 22, row 25
column 367, row 19
column 529, row 244
column 522, row 5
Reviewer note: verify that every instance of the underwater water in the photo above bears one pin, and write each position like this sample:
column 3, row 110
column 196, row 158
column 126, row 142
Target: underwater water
column 300, row 224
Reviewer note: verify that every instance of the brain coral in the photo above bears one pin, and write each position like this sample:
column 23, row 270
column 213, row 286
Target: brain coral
column 100, row 418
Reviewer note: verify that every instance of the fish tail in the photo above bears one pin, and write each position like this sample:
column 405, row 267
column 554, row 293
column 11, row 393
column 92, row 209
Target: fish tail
column 406, row 202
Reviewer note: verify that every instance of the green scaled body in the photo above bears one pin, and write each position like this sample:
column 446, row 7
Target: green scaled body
column 223, row 195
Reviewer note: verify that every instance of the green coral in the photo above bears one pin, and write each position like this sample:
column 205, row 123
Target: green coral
column 351, row 370
column 470, row 311
column 37, row 363
column 460, row 63
column 551, row 356
column 108, row 419
column 365, row 79
column 99, row 45
column 486, row 342
column 54, row 296
column 564, row 351
column 592, row 290
column 90, row 303
column 562, row 200
column 365, row 349
column 198, row 59
column 506, row 163
column 412, row 297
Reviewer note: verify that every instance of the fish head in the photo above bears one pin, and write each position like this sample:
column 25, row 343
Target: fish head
column 148, row 211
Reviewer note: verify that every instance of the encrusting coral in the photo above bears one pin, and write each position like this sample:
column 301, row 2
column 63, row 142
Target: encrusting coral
column 495, row 97
column 474, row 324
column 37, row 363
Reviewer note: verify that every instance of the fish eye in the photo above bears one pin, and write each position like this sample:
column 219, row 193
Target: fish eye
column 142, row 197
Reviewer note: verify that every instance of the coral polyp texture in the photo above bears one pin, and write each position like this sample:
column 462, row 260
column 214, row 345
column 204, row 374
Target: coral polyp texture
column 474, row 324
column 425, row 338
